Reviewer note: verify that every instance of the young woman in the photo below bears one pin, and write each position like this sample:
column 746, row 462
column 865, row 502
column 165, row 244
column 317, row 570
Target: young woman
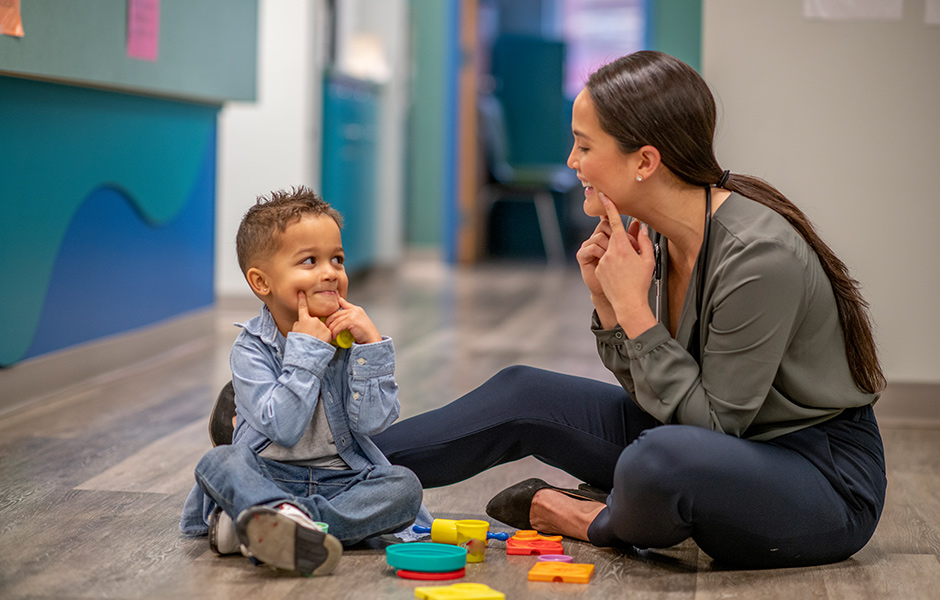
column 748, row 366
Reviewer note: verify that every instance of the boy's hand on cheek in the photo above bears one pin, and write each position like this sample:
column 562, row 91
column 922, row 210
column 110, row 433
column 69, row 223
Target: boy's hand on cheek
column 355, row 319
column 307, row 324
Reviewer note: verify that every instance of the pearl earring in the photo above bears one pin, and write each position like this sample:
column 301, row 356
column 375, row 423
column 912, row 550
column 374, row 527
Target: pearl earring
column 639, row 178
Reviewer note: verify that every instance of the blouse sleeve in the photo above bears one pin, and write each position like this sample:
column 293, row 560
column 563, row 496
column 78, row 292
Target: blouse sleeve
column 757, row 300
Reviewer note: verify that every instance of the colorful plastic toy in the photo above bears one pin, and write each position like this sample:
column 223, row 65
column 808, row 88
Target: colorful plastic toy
column 529, row 542
column 426, row 557
column 444, row 531
column 561, row 571
column 531, row 534
column 459, row 591
column 471, row 534
column 343, row 339
column 533, row 547
column 556, row 558
column 422, row 576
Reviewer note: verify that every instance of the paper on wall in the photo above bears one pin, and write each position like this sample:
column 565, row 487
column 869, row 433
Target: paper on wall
column 842, row 10
column 143, row 29
column 932, row 12
column 11, row 21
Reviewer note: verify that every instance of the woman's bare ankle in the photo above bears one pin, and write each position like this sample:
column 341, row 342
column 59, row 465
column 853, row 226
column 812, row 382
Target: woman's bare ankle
column 557, row 513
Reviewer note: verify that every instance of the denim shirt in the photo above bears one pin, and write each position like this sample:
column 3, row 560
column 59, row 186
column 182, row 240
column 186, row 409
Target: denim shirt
column 278, row 382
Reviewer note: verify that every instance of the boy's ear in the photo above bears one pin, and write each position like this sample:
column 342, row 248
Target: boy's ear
column 258, row 281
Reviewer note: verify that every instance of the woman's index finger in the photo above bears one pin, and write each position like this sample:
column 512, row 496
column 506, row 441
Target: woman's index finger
column 613, row 214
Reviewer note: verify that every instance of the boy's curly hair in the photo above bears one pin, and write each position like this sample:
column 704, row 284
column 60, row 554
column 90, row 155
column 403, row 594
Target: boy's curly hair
column 259, row 233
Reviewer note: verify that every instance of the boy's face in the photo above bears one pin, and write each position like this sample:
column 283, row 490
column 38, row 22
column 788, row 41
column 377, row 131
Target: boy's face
column 310, row 259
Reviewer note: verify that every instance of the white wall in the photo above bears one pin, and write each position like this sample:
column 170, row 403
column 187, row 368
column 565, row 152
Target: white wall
column 272, row 143
column 844, row 118
column 386, row 21
column 276, row 142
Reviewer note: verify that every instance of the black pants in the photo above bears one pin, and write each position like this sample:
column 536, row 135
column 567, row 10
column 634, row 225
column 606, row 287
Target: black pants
column 809, row 497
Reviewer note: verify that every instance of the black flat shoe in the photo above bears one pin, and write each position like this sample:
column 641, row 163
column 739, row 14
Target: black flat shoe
column 511, row 506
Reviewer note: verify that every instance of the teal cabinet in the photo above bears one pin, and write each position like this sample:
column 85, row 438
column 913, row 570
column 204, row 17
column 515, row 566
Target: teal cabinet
column 349, row 163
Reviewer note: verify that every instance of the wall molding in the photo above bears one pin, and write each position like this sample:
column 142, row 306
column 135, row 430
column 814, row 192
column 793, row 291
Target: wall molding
column 912, row 404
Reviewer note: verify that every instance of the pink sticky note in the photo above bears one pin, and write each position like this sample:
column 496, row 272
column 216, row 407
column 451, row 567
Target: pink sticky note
column 143, row 29
column 11, row 22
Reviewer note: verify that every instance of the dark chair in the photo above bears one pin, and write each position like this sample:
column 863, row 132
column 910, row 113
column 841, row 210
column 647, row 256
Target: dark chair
column 536, row 183
column 221, row 429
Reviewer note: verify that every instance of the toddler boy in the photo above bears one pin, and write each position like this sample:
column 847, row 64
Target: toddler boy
column 305, row 408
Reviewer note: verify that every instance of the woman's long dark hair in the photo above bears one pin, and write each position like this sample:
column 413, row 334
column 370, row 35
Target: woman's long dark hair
column 651, row 98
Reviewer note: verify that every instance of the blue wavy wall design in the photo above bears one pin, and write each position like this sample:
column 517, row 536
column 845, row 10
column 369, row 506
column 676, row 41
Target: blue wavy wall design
column 106, row 213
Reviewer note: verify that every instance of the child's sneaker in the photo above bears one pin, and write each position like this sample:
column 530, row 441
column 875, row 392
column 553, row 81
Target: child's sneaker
column 286, row 538
column 223, row 539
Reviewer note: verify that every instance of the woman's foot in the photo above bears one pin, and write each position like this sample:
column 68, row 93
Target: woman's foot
column 555, row 512
column 517, row 505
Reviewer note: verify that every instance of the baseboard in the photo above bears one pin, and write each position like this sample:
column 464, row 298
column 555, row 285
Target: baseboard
column 911, row 403
column 36, row 378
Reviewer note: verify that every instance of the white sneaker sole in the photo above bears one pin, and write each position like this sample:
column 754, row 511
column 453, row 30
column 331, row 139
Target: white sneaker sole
column 279, row 541
column 223, row 539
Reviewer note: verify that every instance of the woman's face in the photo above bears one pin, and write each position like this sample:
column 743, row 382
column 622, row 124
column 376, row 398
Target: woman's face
column 600, row 163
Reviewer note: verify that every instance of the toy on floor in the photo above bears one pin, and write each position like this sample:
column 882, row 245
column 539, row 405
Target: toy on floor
column 561, row 571
column 422, row 576
column 556, row 558
column 529, row 542
column 444, row 531
column 459, row 591
column 443, row 560
column 531, row 534
column 471, row 534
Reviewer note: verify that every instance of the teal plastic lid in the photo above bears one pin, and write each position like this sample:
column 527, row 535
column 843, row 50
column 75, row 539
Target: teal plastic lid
column 427, row 557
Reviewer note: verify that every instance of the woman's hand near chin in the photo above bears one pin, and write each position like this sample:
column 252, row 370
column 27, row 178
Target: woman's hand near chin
column 624, row 271
column 589, row 255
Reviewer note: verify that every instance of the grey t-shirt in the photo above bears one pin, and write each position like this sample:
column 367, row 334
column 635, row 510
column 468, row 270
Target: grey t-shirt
column 315, row 449
column 772, row 354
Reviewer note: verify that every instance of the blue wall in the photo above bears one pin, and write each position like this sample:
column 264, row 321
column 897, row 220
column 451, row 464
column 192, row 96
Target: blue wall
column 107, row 198
column 675, row 27
column 106, row 213
column 349, row 162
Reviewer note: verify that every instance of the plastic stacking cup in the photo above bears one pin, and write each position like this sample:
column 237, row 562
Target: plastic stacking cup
column 471, row 534
column 323, row 526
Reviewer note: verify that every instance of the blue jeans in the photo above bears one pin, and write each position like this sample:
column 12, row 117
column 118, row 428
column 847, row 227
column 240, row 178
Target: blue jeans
column 810, row 497
column 355, row 504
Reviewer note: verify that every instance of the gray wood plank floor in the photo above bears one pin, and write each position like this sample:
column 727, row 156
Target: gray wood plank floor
column 92, row 477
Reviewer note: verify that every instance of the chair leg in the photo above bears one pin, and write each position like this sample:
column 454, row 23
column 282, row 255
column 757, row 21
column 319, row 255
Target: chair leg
column 550, row 228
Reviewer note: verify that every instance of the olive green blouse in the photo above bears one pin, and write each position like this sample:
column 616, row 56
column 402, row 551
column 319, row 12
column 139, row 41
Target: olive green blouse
column 772, row 355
